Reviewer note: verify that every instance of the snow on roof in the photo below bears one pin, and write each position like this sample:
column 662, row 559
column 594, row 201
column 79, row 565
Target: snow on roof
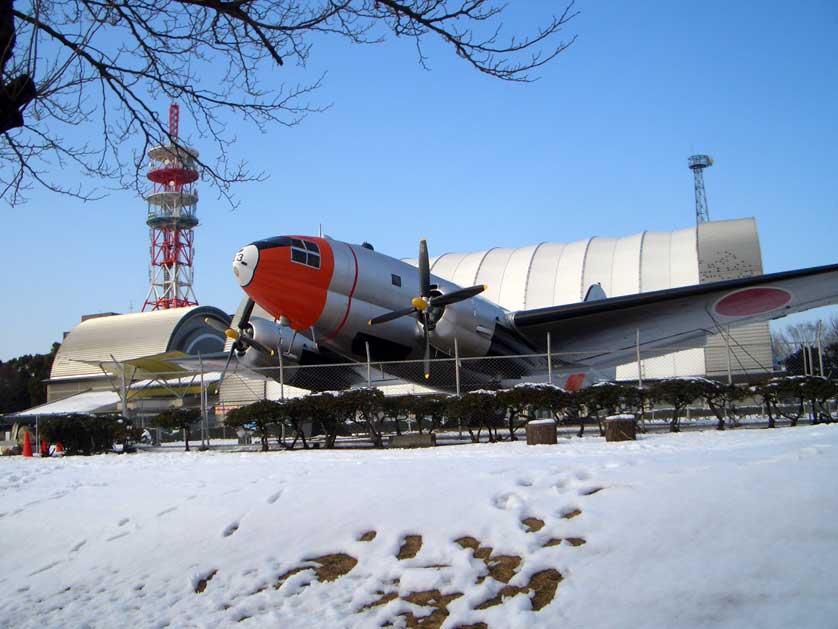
column 87, row 402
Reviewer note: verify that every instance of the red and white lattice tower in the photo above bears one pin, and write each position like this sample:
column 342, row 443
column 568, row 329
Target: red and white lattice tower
column 172, row 216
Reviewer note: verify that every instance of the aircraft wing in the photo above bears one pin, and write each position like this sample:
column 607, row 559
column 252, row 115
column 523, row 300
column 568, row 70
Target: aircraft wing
column 603, row 333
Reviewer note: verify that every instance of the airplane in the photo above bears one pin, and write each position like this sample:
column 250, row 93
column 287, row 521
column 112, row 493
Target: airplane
column 335, row 302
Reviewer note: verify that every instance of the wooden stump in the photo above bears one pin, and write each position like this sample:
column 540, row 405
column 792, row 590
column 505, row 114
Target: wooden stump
column 621, row 428
column 412, row 440
column 541, row 432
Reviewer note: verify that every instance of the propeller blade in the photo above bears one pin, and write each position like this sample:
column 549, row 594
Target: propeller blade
column 215, row 324
column 457, row 295
column 427, row 362
column 424, row 270
column 246, row 312
column 226, row 365
column 389, row 316
column 251, row 342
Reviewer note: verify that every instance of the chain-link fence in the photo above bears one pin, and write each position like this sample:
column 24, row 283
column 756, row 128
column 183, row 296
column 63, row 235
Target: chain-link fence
column 216, row 392
column 740, row 363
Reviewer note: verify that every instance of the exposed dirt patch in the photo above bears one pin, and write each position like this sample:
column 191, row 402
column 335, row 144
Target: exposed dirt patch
column 575, row 541
column 591, row 491
column 468, row 542
column 202, row 583
column 284, row 577
column 328, row 568
column 477, row 625
column 410, row 546
column 553, row 541
column 533, row 524
column 385, row 597
column 502, row 567
column 429, row 598
column 544, row 585
column 332, row 567
column 368, row 536
column 506, row 592
column 480, row 552
column 569, row 515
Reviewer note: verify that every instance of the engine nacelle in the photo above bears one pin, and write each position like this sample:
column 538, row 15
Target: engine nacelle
column 471, row 322
column 278, row 338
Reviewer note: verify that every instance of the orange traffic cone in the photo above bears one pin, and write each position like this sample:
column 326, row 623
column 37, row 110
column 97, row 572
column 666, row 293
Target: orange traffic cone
column 44, row 448
column 27, row 444
column 59, row 449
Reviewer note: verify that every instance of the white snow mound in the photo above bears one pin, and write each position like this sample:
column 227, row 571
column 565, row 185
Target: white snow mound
column 722, row 529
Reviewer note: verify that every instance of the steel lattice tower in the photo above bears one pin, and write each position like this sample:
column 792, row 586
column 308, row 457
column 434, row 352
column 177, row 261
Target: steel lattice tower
column 171, row 218
column 697, row 164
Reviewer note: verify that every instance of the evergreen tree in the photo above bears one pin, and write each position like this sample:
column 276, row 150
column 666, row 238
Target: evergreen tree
column 22, row 380
column 178, row 419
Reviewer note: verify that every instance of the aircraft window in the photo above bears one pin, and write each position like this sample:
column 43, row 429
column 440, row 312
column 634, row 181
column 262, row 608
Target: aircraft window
column 396, row 280
column 305, row 252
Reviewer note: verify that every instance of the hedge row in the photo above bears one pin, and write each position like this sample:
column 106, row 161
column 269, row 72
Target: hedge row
column 506, row 410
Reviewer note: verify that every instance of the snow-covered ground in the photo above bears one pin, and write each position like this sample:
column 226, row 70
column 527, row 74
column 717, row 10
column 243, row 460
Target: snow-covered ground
column 733, row 529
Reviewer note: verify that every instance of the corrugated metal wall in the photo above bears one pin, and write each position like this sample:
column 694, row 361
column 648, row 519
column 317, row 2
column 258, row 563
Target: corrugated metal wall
column 560, row 273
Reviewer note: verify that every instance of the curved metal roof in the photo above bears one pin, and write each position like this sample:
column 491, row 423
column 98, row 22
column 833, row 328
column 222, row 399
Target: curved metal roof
column 551, row 273
column 123, row 337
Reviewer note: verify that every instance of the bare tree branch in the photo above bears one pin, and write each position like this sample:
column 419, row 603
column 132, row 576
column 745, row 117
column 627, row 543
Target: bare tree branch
column 100, row 63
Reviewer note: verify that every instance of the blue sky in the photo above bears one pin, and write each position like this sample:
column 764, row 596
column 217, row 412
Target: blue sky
column 597, row 146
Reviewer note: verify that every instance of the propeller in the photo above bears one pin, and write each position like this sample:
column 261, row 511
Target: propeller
column 426, row 303
column 241, row 337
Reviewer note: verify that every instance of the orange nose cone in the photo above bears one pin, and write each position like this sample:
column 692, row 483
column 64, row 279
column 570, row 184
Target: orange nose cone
column 291, row 278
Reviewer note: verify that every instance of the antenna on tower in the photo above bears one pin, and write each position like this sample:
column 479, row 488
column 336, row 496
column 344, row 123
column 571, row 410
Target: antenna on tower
column 697, row 164
column 172, row 216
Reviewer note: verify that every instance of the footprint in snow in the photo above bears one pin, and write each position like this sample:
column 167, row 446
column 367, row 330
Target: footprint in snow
column 75, row 547
column 508, row 501
column 116, row 537
column 230, row 529
column 590, row 491
column 123, row 521
column 274, row 497
column 45, row 568
column 165, row 511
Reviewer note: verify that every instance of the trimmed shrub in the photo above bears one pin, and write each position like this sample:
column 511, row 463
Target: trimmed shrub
column 83, row 434
column 178, row 419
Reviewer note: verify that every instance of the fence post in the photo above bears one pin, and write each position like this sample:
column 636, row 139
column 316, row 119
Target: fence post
column 123, row 393
column 726, row 336
column 639, row 365
column 820, row 347
column 369, row 365
column 640, row 382
column 549, row 360
column 457, row 380
column 281, row 375
column 204, row 422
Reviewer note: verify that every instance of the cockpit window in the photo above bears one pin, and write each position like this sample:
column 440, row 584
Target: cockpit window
column 305, row 252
